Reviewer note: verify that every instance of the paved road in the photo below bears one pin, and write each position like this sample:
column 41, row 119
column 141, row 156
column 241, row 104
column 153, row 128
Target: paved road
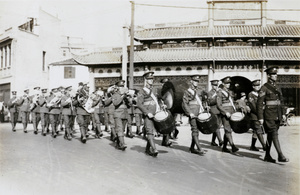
column 34, row 164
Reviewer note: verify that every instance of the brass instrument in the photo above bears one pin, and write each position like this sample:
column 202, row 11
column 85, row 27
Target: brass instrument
column 34, row 103
column 55, row 100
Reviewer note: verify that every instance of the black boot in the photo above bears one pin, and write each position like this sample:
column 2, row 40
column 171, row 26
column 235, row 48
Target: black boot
column 268, row 157
column 281, row 157
column 113, row 135
column 138, row 130
column 129, row 132
column 196, row 141
column 121, row 145
column 261, row 140
column 152, row 144
column 230, row 140
column 213, row 142
column 252, row 147
column 224, row 149
column 83, row 135
column 165, row 141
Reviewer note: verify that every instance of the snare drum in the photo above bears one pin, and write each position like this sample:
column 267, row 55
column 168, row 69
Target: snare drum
column 239, row 122
column 207, row 122
column 164, row 122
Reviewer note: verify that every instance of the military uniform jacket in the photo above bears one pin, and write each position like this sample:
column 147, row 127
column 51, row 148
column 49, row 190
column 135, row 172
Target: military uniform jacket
column 109, row 105
column 223, row 101
column 37, row 106
column 67, row 107
column 12, row 107
column 212, row 101
column 98, row 104
column 120, row 106
column 252, row 102
column 145, row 102
column 24, row 104
column 43, row 104
column 55, row 109
column 269, row 102
column 190, row 103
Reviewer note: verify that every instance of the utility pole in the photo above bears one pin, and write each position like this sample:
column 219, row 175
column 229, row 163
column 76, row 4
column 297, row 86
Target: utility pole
column 131, row 58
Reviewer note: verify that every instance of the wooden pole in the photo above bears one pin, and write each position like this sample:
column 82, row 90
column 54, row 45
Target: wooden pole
column 131, row 47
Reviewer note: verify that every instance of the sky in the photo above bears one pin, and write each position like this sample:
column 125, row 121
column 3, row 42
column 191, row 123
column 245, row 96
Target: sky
column 101, row 22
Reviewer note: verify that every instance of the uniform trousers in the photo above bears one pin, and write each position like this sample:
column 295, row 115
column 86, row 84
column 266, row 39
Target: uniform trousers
column 13, row 118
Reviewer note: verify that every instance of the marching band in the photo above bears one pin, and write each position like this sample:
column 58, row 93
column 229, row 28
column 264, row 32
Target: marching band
column 118, row 107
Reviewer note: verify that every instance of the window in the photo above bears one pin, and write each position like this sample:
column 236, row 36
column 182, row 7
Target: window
column 178, row 69
column 188, row 68
column 69, row 72
column 44, row 61
column 100, row 71
column 118, row 71
column 109, row 71
column 168, row 69
column 157, row 69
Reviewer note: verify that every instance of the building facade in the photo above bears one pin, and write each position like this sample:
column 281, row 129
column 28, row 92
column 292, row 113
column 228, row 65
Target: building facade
column 239, row 43
column 25, row 52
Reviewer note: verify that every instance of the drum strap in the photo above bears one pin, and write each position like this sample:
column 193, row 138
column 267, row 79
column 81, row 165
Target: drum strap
column 255, row 93
column 149, row 92
column 229, row 97
column 197, row 98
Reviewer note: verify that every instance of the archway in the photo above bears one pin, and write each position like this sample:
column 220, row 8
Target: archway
column 240, row 84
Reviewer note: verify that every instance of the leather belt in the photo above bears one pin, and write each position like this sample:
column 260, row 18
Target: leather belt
column 273, row 103
column 149, row 103
column 226, row 104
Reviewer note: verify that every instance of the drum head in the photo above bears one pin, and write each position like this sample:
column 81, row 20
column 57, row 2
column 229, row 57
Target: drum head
column 237, row 116
column 204, row 116
column 161, row 115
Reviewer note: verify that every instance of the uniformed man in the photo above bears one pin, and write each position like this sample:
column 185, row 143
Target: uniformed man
column 61, row 89
column 120, row 113
column 12, row 106
column 24, row 104
column 130, row 108
column 270, row 113
column 226, row 107
column 83, row 117
column 98, row 104
column 110, row 111
column 54, row 110
column 254, row 123
column 193, row 105
column 138, row 115
column 67, row 102
column 35, row 109
column 212, row 102
column 44, row 111
column 147, row 102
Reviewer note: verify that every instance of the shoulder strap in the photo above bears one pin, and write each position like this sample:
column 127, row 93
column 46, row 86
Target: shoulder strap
column 271, row 88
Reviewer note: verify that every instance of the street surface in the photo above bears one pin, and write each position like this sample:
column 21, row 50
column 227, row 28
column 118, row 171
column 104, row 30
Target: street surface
column 34, row 164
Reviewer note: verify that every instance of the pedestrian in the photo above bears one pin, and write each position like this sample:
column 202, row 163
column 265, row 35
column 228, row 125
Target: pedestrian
column 83, row 117
column 120, row 113
column 254, row 123
column 35, row 109
column 212, row 102
column 44, row 111
column 226, row 107
column 24, row 104
column 67, row 102
column 54, row 110
column 270, row 112
column 110, row 108
column 98, row 112
column 12, row 106
column 193, row 105
column 147, row 102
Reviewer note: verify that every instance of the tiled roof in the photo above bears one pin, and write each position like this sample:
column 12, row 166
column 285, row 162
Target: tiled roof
column 196, row 54
column 276, row 30
column 70, row 61
column 110, row 57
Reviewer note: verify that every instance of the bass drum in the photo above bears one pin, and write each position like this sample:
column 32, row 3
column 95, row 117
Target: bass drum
column 172, row 93
column 207, row 123
column 164, row 122
column 239, row 122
